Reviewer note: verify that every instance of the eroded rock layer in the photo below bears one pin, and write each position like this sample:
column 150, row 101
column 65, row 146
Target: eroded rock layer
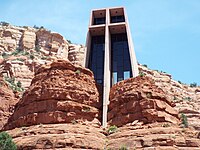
column 7, row 102
column 156, row 137
column 58, row 136
column 59, row 93
column 140, row 99
column 186, row 98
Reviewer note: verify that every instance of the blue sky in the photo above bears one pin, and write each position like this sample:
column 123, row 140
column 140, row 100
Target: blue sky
column 166, row 33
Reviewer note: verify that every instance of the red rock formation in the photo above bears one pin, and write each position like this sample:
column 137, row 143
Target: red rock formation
column 58, row 136
column 59, row 93
column 186, row 98
column 7, row 102
column 140, row 99
column 158, row 137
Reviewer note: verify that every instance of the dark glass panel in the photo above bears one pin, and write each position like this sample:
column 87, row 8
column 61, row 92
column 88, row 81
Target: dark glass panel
column 99, row 20
column 120, row 57
column 115, row 19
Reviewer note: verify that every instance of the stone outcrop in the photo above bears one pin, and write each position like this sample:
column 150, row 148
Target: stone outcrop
column 140, row 99
column 58, row 136
column 24, row 49
column 7, row 102
column 150, row 137
column 59, row 93
column 76, row 54
column 186, row 98
column 52, row 44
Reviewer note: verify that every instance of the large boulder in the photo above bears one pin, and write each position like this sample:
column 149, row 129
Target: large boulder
column 59, row 93
column 140, row 99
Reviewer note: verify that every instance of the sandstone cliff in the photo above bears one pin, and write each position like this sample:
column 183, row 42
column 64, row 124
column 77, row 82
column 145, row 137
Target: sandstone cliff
column 186, row 98
column 24, row 49
column 7, row 102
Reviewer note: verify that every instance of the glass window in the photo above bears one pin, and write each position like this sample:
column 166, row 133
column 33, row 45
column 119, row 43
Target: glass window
column 126, row 75
column 114, row 78
column 99, row 20
column 115, row 19
column 120, row 58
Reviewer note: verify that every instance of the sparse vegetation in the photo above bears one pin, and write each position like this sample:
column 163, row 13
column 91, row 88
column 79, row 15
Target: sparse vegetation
column 179, row 82
column 145, row 65
column 32, row 56
column 37, row 48
column 69, row 41
column 149, row 95
column 187, row 98
column 184, row 120
column 4, row 55
column 78, row 72
column 6, row 142
column 123, row 148
column 141, row 74
column 3, row 23
column 16, row 52
column 166, row 125
column 194, row 84
column 175, row 98
column 86, row 109
column 112, row 129
column 20, row 59
column 74, row 121
column 15, row 87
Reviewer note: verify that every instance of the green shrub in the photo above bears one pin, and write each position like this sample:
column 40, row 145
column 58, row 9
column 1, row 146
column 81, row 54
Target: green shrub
column 37, row 48
column 179, row 82
column 4, row 55
column 141, row 74
column 166, row 125
column 6, row 142
column 184, row 120
column 19, row 84
column 13, row 85
column 3, row 23
column 20, row 59
column 78, row 72
column 145, row 65
column 17, row 51
column 31, row 56
column 123, row 148
column 193, row 84
column 69, row 41
column 187, row 98
column 149, row 95
column 112, row 129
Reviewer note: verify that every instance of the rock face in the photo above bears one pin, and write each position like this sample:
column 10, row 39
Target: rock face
column 76, row 54
column 24, row 49
column 140, row 99
column 7, row 102
column 58, row 136
column 154, row 137
column 186, row 98
column 59, row 93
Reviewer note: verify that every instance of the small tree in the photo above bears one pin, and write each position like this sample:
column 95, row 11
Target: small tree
column 112, row 129
column 141, row 74
column 6, row 142
column 184, row 120
column 193, row 84
column 19, row 84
